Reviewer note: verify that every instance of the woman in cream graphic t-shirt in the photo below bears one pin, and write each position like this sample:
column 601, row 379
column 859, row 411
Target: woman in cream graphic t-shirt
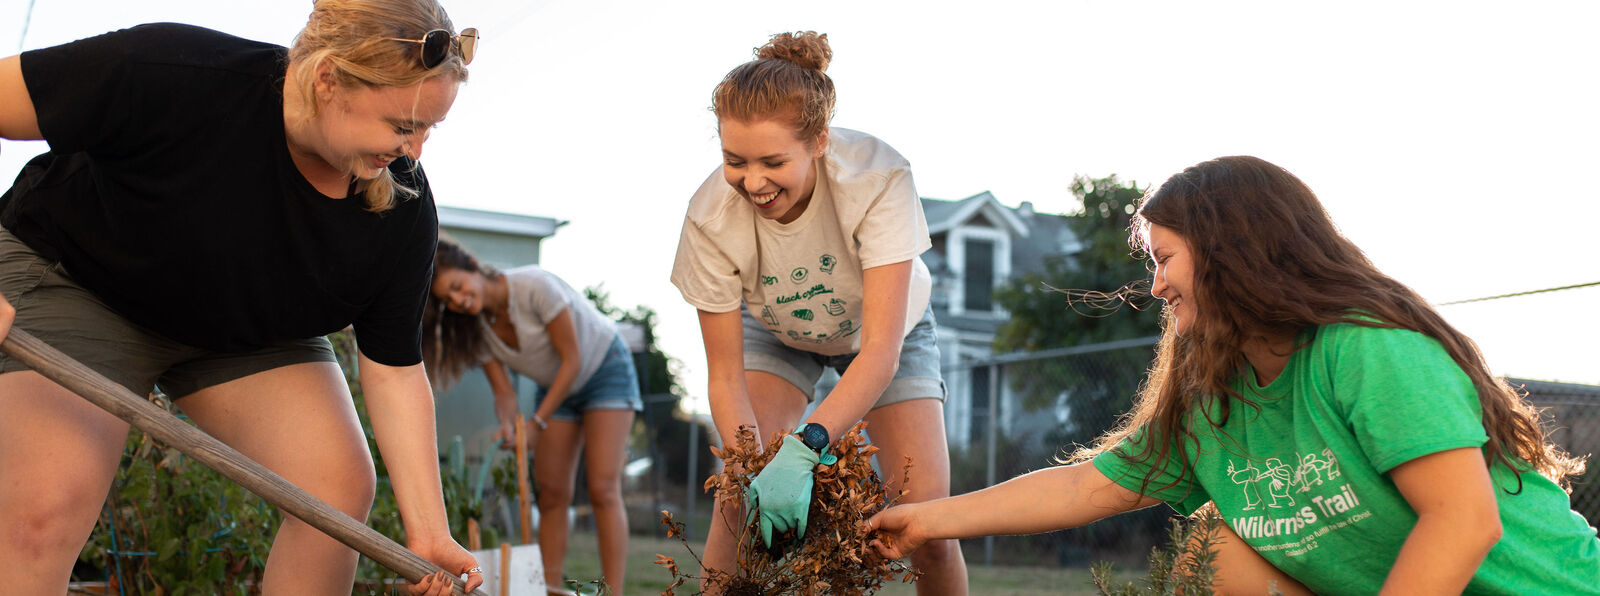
column 801, row 252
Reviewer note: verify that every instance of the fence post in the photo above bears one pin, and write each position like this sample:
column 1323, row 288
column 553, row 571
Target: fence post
column 694, row 472
column 994, row 428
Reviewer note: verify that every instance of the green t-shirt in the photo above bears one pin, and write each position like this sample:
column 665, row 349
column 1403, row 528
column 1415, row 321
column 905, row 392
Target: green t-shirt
column 1305, row 482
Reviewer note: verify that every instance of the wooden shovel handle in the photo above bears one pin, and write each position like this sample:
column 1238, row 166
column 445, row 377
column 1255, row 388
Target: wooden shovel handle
column 524, row 500
column 168, row 429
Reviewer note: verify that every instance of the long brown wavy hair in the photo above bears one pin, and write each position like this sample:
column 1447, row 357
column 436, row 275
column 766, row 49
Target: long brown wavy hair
column 1268, row 261
column 452, row 343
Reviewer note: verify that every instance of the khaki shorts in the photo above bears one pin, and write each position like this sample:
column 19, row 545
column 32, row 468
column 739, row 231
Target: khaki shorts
column 54, row 308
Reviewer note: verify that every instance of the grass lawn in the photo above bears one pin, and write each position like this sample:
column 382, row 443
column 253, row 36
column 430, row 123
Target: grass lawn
column 644, row 577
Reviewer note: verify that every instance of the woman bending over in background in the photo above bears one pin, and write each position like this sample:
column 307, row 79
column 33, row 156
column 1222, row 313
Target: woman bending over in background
column 531, row 321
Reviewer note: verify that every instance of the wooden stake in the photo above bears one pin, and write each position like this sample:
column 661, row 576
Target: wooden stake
column 193, row 442
column 474, row 535
column 505, row 569
column 524, row 503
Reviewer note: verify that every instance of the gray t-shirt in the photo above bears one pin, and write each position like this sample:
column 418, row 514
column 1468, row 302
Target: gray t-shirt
column 536, row 297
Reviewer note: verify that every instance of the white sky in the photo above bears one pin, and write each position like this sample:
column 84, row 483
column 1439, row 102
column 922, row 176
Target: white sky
column 1456, row 142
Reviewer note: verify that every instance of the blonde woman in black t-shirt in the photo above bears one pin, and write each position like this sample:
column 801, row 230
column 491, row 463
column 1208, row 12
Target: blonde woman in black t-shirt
column 210, row 208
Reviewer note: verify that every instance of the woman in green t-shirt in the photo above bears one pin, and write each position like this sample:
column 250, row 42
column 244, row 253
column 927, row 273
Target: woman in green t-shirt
column 1352, row 439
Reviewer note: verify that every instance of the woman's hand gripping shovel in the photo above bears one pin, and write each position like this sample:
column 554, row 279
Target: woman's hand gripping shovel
column 193, row 442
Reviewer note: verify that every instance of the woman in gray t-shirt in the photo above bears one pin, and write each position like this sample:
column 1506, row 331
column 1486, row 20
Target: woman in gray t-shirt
column 532, row 322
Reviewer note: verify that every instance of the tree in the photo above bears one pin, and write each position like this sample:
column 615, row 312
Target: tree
column 1098, row 294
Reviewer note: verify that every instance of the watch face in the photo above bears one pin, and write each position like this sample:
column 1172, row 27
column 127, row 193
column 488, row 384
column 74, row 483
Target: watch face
column 814, row 436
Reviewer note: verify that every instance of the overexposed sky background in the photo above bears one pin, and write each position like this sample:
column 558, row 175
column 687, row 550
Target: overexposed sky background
column 1456, row 142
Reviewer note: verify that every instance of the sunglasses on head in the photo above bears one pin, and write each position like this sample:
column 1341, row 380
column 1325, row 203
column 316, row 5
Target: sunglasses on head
column 437, row 43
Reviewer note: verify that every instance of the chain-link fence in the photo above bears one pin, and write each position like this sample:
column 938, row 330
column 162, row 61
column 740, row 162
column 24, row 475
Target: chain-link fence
column 1027, row 410
column 1571, row 415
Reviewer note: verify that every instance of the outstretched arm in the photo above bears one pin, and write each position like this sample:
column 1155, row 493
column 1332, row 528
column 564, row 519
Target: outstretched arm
column 1050, row 499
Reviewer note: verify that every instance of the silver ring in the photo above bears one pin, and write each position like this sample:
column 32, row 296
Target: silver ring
column 475, row 570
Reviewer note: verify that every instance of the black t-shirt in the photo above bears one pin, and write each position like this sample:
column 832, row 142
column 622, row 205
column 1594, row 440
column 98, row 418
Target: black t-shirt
column 169, row 192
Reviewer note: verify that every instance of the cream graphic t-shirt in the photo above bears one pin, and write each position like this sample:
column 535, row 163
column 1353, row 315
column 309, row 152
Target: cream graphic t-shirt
column 802, row 280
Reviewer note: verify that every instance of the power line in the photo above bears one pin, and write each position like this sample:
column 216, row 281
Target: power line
column 27, row 20
column 1527, row 293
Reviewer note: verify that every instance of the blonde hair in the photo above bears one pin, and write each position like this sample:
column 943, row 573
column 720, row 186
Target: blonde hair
column 786, row 80
column 355, row 39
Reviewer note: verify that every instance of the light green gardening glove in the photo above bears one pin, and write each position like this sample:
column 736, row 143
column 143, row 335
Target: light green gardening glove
column 781, row 494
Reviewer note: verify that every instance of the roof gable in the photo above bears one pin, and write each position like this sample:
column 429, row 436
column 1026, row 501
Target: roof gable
column 945, row 215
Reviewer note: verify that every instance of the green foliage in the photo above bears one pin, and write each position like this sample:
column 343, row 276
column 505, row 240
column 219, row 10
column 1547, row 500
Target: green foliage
column 466, row 493
column 1185, row 565
column 659, row 371
column 1105, row 299
column 174, row 526
column 1103, row 288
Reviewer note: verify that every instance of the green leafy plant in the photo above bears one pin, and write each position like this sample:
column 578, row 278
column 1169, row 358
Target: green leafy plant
column 466, row 493
column 1186, row 564
column 174, row 526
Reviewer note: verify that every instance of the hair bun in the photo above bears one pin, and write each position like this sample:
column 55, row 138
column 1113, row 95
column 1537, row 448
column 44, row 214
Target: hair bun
column 807, row 49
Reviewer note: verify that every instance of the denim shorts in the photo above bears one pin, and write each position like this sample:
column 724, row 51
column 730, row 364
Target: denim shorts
column 614, row 386
column 70, row 318
column 917, row 377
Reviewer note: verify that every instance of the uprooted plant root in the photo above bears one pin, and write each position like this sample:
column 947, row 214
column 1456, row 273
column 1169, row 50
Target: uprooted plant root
column 835, row 557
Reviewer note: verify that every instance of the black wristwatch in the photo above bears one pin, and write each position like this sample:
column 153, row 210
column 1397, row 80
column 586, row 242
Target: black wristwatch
column 814, row 436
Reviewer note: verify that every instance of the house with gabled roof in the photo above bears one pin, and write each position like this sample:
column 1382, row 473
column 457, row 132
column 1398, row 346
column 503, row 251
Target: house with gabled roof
column 979, row 245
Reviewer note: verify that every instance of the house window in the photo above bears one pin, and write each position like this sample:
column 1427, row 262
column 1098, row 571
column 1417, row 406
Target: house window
column 979, row 275
column 979, row 433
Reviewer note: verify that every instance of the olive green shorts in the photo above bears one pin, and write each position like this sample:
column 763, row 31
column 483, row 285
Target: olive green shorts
column 54, row 308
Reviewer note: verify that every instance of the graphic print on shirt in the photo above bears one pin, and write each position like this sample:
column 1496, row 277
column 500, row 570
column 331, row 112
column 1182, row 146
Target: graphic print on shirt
column 1278, row 478
column 1313, row 469
column 1273, row 519
column 806, row 308
column 836, row 307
